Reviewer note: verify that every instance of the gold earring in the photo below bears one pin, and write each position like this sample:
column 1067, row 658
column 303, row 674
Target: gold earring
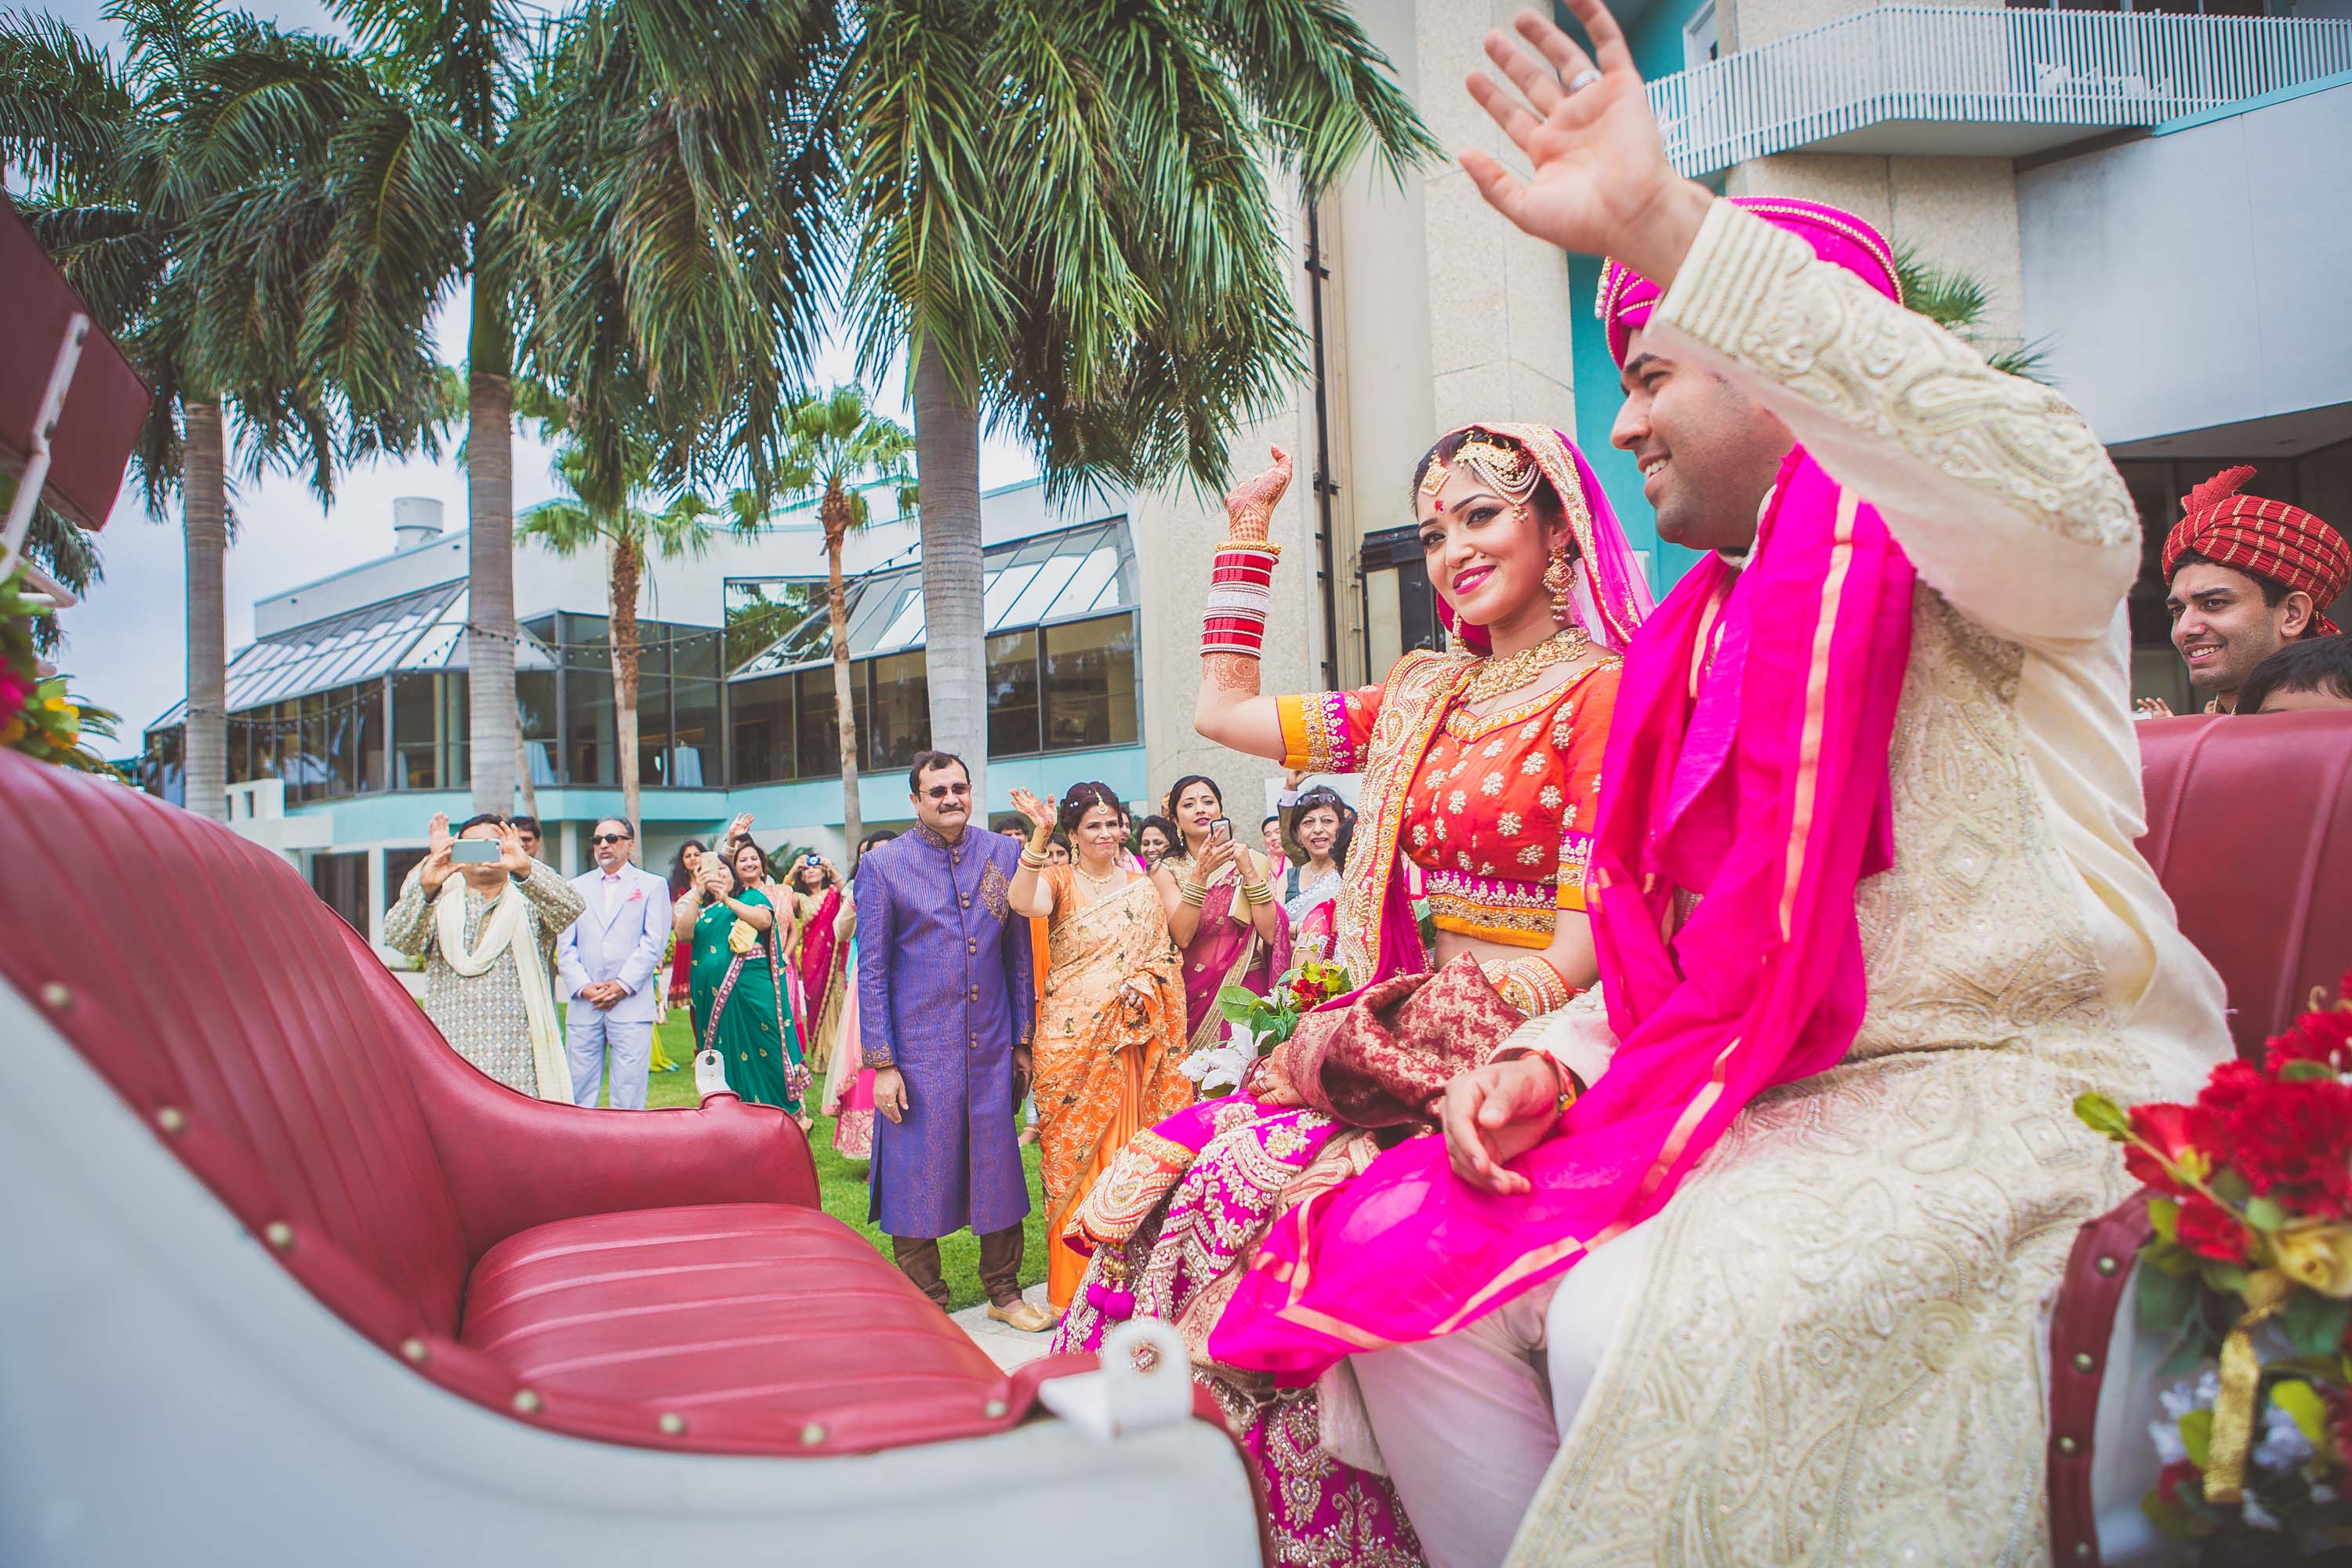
column 1556, row 578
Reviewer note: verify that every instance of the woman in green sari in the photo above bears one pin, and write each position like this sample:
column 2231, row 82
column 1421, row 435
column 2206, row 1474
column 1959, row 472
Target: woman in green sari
column 738, row 1000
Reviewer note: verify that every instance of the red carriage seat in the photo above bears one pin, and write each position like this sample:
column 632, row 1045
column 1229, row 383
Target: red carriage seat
column 662, row 1279
column 2249, row 829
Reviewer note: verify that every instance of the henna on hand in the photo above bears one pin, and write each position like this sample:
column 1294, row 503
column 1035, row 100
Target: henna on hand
column 1249, row 505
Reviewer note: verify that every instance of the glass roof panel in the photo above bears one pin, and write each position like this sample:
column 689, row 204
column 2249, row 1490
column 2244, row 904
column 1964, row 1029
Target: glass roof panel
column 905, row 628
column 358, row 645
column 1052, row 577
column 1099, row 568
column 1003, row 588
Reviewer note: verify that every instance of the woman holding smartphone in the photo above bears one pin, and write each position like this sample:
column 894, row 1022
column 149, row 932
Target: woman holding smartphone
column 1221, row 912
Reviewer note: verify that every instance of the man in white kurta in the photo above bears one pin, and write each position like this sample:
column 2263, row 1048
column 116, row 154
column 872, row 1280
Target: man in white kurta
column 1828, row 1346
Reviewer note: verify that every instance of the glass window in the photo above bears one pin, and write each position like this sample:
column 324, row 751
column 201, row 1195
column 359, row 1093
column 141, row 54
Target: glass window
column 653, row 724
column 159, row 765
column 1090, row 684
column 762, row 718
column 535, row 710
column 588, row 733
column 1012, row 693
column 820, row 734
column 415, row 732
column 457, row 715
column 694, row 734
column 367, row 738
column 340, row 882
column 901, row 727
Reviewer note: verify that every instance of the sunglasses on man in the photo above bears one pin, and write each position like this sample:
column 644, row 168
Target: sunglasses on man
column 608, row 838
column 947, row 792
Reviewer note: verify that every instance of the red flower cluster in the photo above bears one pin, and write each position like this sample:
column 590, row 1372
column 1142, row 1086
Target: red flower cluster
column 2290, row 1139
column 2173, row 1477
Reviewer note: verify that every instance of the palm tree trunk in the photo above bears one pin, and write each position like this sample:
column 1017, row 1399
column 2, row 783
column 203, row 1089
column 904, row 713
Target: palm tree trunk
column 204, row 520
column 628, row 569
column 836, row 598
column 946, row 458
column 491, row 730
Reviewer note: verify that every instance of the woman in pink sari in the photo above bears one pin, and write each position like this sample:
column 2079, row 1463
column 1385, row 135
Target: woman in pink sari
column 848, row 1085
column 1222, row 909
column 1480, row 768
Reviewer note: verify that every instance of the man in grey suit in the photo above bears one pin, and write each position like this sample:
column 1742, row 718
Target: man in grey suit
column 605, row 962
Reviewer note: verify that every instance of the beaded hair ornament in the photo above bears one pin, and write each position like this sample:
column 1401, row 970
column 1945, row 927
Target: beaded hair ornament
column 1511, row 470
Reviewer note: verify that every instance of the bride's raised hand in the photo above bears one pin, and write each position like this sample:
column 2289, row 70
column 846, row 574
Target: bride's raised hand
column 1249, row 505
column 1599, row 179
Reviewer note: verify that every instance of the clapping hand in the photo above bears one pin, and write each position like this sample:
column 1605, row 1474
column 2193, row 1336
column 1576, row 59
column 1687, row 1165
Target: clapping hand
column 1598, row 181
column 1040, row 813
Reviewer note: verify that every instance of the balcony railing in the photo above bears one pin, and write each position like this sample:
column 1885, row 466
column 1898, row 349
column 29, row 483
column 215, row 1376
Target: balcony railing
column 1967, row 79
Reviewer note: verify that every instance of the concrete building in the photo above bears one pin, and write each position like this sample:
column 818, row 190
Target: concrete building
column 2157, row 198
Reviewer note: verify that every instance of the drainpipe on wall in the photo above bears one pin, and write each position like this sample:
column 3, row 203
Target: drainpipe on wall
column 1316, row 274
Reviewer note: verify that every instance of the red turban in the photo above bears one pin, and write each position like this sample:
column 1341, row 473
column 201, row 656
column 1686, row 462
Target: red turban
column 2265, row 538
column 1626, row 297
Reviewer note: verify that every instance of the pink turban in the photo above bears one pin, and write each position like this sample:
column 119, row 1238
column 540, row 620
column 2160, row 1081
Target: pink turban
column 1627, row 298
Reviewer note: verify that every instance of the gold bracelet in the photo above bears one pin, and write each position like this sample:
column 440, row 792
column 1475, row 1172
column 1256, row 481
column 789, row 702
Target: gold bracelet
column 1192, row 893
column 1257, row 893
column 1266, row 545
column 1031, row 861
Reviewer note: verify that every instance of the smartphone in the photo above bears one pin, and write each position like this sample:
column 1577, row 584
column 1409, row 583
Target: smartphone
column 1221, row 828
column 474, row 851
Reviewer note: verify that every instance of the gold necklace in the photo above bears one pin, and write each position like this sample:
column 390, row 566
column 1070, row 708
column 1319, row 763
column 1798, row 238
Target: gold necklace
column 1112, row 878
column 1493, row 677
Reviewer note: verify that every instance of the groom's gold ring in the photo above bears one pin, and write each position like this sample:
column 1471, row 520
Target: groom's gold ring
column 1583, row 79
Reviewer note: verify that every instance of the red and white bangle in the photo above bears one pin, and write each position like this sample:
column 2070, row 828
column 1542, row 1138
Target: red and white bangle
column 1241, row 592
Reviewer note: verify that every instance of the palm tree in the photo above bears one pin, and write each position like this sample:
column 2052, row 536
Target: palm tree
column 623, row 522
column 182, row 192
column 636, row 139
column 1063, row 217
column 1958, row 302
column 839, row 445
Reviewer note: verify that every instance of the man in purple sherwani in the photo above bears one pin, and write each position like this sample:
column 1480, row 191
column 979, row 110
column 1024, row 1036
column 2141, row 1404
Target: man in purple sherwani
column 946, row 1007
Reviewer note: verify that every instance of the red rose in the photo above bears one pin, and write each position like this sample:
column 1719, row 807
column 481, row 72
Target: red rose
column 2317, row 1037
column 2209, row 1230
column 2231, row 1082
column 2292, row 1141
column 2172, row 1131
column 2175, row 1476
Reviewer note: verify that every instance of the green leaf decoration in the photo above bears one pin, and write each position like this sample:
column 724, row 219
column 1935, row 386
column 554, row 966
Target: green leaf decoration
column 2227, row 1278
column 2101, row 1114
column 2164, row 1214
column 2231, row 1188
column 2165, row 1300
column 1235, row 1002
column 2264, row 1214
column 2313, row 1324
column 2302, row 1070
column 2303, row 1405
column 2197, row 1436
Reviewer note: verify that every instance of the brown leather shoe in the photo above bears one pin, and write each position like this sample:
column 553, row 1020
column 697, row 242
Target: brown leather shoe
column 1025, row 1316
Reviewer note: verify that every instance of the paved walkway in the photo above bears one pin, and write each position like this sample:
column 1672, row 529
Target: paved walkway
column 1005, row 1344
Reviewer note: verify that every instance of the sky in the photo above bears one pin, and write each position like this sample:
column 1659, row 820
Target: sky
column 126, row 644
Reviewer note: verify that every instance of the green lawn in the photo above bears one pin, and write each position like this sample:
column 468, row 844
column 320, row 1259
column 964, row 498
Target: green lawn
column 841, row 1182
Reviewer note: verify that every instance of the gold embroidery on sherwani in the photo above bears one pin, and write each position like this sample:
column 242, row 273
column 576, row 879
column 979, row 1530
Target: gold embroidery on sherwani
column 1834, row 1356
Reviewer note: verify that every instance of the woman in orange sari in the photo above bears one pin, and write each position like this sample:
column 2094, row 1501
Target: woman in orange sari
column 1110, row 1025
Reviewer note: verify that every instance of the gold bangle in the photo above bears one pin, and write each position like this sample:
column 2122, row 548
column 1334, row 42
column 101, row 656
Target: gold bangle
column 1192, row 893
column 1031, row 861
column 1257, row 893
column 1264, row 545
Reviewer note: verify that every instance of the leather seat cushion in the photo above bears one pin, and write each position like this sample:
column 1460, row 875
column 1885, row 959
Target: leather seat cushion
column 738, row 1308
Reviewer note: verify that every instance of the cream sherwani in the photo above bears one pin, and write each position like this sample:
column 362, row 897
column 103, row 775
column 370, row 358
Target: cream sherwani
column 1828, row 1348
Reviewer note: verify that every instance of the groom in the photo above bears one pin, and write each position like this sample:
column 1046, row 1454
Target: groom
column 1869, row 917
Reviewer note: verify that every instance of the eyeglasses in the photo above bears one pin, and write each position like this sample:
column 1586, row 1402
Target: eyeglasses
column 608, row 838
column 947, row 792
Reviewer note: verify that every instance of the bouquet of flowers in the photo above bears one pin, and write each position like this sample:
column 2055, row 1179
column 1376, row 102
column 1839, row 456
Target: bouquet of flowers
column 1261, row 1023
column 2251, row 1270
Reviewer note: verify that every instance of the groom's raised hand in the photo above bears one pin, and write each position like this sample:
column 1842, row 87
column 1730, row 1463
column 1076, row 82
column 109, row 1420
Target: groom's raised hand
column 1599, row 179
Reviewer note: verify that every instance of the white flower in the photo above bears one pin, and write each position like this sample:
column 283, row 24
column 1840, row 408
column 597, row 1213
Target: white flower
column 1494, row 748
column 1421, row 836
column 2283, row 1446
column 1507, row 824
column 1219, row 1069
column 1531, row 855
column 2165, row 1435
column 1532, row 763
column 1492, row 784
column 1462, row 859
column 1457, row 800
column 2255, row 1515
column 1551, row 797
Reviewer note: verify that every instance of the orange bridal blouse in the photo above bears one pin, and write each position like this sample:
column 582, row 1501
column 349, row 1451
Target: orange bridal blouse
column 1499, row 813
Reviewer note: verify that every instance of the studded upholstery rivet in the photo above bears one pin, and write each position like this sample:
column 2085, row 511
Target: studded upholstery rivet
column 671, row 1423
column 2085, row 1361
column 2107, row 1266
column 56, row 997
column 526, row 1401
column 279, row 1233
column 994, row 1409
column 2068, row 1448
column 414, row 1351
column 812, row 1435
column 172, row 1120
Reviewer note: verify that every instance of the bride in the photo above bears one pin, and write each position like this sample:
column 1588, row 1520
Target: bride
column 1479, row 765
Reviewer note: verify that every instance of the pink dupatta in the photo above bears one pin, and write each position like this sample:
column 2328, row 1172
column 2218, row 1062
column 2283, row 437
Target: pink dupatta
column 1766, row 792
